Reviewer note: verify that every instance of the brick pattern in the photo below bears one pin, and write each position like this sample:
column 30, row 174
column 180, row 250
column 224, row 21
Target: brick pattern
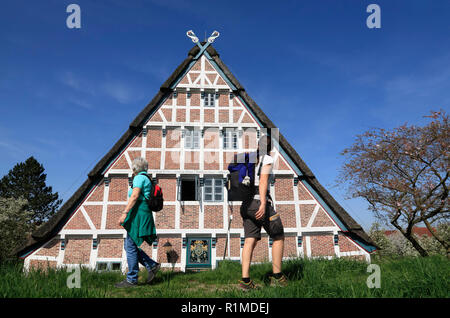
column 290, row 246
column 165, row 219
column 287, row 214
column 235, row 246
column 224, row 116
column 95, row 214
column 224, row 100
column 121, row 163
column 113, row 215
column 189, row 217
column 169, row 188
column 284, row 189
column 303, row 194
column 194, row 115
column 154, row 159
column 346, row 245
column 306, row 210
column 110, row 247
column 209, row 116
column 118, row 188
column 50, row 249
column 249, row 138
column 77, row 251
column 211, row 160
column 211, row 139
column 97, row 194
column 261, row 251
column 322, row 219
column 41, row 265
column 167, row 112
column 181, row 99
column 176, row 242
column 173, row 138
column 192, row 160
column 77, row 222
column 322, row 245
column 220, row 246
column 172, row 160
column 181, row 115
column 237, row 222
column 168, row 100
column 213, row 217
column 195, row 99
column 137, row 142
column 156, row 117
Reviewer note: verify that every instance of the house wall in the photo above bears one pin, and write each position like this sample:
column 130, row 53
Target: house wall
column 162, row 143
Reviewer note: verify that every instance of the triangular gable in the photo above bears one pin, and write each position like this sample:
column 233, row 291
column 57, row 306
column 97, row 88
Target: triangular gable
column 339, row 215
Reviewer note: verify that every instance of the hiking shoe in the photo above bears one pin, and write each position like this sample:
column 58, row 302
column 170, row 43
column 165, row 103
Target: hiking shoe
column 247, row 286
column 125, row 284
column 278, row 282
column 150, row 276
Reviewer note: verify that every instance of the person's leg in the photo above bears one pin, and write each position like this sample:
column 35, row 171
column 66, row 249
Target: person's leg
column 145, row 260
column 247, row 252
column 132, row 259
column 277, row 254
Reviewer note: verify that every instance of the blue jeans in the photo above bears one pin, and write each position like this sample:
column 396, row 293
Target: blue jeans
column 135, row 256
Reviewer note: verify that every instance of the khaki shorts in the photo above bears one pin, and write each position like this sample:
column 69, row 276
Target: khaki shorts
column 271, row 222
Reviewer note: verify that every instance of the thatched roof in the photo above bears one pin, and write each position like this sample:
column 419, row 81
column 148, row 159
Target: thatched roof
column 54, row 225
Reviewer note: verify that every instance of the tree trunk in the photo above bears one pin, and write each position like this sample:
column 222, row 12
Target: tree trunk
column 438, row 238
column 409, row 236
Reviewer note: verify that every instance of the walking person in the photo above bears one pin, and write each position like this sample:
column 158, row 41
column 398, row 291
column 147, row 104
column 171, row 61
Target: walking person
column 137, row 219
column 257, row 211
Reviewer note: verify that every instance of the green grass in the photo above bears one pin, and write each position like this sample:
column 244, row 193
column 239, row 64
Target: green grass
column 405, row 277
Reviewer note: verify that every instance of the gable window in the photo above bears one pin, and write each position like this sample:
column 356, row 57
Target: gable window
column 209, row 100
column 230, row 139
column 213, row 188
column 192, row 139
column 188, row 189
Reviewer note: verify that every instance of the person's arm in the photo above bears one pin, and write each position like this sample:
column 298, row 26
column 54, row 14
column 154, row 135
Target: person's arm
column 263, row 185
column 131, row 202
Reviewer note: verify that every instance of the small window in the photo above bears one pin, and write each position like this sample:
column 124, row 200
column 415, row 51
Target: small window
column 230, row 139
column 192, row 139
column 209, row 100
column 213, row 189
column 101, row 266
column 108, row 266
column 116, row 266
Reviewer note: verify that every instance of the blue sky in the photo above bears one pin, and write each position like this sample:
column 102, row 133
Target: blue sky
column 322, row 76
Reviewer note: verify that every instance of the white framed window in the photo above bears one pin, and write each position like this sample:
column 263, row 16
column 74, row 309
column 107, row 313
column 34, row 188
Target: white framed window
column 188, row 188
column 108, row 266
column 192, row 139
column 230, row 139
column 209, row 100
column 213, row 190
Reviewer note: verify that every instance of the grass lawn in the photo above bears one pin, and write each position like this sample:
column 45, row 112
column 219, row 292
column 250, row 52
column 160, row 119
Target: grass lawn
column 404, row 277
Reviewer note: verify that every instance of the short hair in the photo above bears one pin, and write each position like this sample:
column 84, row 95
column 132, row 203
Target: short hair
column 138, row 165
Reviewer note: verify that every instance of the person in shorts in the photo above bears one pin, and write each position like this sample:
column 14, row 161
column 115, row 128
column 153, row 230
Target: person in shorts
column 258, row 212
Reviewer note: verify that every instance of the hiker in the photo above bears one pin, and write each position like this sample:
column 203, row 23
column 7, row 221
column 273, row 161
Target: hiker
column 137, row 219
column 257, row 211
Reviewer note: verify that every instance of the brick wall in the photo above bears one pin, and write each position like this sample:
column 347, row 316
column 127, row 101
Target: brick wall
column 284, row 189
column 154, row 137
column 189, row 217
column 287, row 214
column 181, row 115
column 346, row 245
column 97, row 194
column 95, row 214
column 41, row 265
column 195, row 99
column 110, row 247
column 209, row 116
column 118, row 188
column 165, row 219
column 322, row 245
column 154, row 159
column 169, row 188
column 290, row 246
column 172, row 160
column 303, row 194
column 261, row 251
column 213, row 216
column 176, row 242
column 192, row 160
column 224, row 100
column 113, row 215
column 50, row 249
column 211, row 160
column 306, row 210
column 211, row 139
column 235, row 245
column 322, row 219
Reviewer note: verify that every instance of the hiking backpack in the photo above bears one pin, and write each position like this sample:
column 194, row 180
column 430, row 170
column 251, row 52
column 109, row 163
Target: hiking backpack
column 241, row 179
column 156, row 200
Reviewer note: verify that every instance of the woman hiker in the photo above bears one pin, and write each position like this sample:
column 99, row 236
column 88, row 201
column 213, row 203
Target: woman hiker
column 137, row 219
column 257, row 212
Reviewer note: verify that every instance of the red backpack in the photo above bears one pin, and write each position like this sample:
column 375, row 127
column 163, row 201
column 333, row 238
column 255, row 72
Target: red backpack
column 156, row 200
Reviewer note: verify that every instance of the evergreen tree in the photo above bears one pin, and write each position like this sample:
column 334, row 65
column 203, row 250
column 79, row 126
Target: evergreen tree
column 27, row 180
